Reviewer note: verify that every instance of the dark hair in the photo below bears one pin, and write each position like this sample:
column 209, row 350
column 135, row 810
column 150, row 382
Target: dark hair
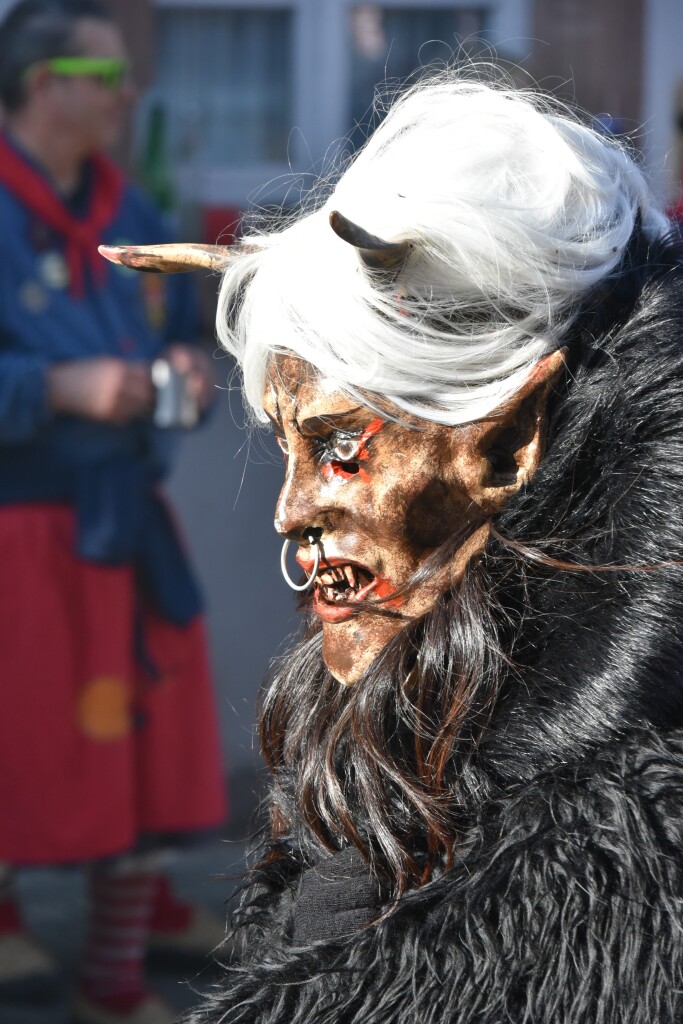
column 538, row 653
column 37, row 30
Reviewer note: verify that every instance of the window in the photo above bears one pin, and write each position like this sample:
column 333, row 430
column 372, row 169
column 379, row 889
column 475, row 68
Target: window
column 225, row 82
column 248, row 91
column 389, row 43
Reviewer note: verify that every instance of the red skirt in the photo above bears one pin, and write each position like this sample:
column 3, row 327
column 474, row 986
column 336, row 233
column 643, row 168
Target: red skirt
column 95, row 750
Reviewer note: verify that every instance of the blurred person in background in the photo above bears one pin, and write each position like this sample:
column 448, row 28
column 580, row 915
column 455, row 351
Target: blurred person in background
column 108, row 734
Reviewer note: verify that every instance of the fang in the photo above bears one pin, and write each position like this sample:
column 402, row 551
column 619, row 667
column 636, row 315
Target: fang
column 350, row 573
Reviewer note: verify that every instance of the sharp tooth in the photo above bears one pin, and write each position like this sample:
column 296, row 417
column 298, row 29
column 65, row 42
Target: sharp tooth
column 327, row 579
column 338, row 574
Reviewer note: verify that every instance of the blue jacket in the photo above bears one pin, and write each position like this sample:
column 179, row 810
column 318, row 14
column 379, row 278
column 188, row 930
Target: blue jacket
column 109, row 473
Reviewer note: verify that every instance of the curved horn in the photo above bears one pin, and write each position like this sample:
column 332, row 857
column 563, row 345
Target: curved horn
column 169, row 259
column 374, row 252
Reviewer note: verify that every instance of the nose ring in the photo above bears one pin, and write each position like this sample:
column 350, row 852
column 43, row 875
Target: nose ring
column 283, row 565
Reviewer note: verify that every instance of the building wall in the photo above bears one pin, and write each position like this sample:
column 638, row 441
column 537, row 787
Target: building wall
column 623, row 58
column 591, row 51
column 662, row 104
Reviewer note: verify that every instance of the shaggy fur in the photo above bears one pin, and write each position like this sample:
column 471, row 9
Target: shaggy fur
column 563, row 903
column 565, row 906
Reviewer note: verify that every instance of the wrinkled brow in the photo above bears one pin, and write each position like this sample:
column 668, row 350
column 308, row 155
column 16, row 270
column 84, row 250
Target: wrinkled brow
column 312, row 424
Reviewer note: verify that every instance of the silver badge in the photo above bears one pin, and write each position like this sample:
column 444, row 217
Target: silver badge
column 53, row 270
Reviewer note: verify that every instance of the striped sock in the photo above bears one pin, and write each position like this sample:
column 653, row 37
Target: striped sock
column 120, row 909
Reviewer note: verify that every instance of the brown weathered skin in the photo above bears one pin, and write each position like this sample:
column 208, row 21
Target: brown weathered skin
column 416, row 484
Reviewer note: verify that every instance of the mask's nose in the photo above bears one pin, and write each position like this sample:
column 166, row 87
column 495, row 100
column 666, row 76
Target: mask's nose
column 298, row 512
column 299, row 519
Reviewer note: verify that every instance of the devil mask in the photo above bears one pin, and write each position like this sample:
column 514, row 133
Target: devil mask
column 377, row 491
column 379, row 495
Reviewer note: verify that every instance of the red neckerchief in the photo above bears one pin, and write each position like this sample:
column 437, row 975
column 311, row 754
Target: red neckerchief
column 82, row 235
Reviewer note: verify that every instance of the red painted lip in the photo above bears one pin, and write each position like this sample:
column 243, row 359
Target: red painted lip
column 330, row 612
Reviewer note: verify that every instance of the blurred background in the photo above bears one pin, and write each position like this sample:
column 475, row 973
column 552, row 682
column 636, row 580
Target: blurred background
column 241, row 104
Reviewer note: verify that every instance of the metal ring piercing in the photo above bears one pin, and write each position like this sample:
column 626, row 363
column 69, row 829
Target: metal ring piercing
column 283, row 565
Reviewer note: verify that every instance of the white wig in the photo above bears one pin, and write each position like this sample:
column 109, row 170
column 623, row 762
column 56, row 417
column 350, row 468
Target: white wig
column 514, row 210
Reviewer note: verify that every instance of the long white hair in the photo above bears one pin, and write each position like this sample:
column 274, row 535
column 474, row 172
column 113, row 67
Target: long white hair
column 515, row 210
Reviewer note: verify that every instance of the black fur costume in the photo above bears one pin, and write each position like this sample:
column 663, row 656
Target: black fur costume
column 564, row 904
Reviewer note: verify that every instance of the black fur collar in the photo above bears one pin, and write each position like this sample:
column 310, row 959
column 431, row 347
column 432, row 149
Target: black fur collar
column 566, row 905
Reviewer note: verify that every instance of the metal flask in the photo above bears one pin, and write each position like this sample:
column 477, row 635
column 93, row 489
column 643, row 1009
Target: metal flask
column 175, row 405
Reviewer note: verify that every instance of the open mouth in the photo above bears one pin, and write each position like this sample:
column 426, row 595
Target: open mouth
column 344, row 582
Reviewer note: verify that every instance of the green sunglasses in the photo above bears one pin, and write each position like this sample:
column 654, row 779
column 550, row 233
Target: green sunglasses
column 111, row 72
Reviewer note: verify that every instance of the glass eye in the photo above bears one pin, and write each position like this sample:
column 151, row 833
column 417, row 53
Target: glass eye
column 346, row 449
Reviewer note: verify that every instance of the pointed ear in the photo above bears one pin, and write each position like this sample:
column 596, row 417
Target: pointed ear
column 504, row 450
